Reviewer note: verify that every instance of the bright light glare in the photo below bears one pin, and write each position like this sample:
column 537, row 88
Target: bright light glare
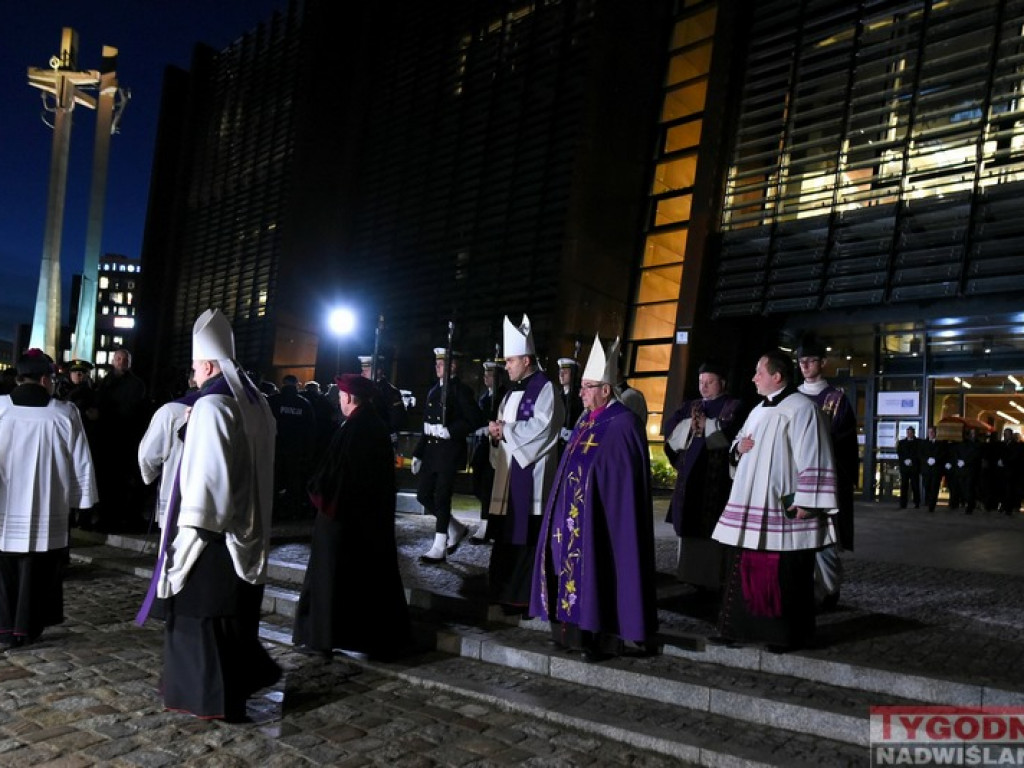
column 342, row 321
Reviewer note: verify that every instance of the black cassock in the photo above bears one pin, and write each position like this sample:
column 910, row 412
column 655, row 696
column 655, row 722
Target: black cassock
column 352, row 597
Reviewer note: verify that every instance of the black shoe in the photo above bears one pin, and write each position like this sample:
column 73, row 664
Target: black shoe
column 478, row 542
column 594, row 655
column 830, row 602
column 305, row 650
column 777, row 648
column 428, row 560
column 458, row 540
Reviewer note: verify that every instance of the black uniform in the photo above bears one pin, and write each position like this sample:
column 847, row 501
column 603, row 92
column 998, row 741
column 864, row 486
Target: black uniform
column 932, row 458
column 296, row 441
column 443, row 457
column 394, row 405
column 966, row 460
column 483, row 472
column 909, row 453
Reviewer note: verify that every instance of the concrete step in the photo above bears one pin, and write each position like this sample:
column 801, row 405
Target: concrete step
column 675, row 717
column 135, row 554
column 752, row 696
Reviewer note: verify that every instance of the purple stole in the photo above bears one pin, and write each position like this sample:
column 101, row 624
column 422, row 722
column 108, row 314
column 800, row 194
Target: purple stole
column 520, row 479
column 219, row 386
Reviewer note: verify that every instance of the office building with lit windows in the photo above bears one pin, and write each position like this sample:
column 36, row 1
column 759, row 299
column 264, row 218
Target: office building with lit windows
column 706, row 179
column 118, row 287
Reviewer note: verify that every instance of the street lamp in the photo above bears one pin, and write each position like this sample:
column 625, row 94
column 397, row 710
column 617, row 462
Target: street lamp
column 342, row 322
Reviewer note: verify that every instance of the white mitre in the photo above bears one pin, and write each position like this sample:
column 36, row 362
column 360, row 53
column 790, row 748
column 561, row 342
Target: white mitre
column 518, row 341
column 602, row 366
column 213, row 339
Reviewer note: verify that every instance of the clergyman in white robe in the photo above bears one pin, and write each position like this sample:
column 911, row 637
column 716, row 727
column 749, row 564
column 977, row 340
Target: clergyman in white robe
column 46, row 470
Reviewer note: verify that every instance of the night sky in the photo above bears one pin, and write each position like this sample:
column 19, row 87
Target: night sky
column 149, row 36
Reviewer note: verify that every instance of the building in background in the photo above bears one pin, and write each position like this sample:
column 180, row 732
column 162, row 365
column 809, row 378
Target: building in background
column 425, row 162
column 118, row 290
column 706, row 179
column 868, row 194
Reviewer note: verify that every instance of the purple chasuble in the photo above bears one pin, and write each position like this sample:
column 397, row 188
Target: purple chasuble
column 597, row 540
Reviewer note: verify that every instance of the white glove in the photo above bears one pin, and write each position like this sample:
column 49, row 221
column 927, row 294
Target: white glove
column 565, row 434
column 482, row 432
column 931, row 461
column 999, row 463
column 960, row 463
column 908, row 462
column 443, row 433
column 416, row 465
column 948, row 465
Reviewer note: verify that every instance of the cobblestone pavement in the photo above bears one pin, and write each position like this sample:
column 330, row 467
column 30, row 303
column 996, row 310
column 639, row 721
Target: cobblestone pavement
column 936, row 595
column 86, row 694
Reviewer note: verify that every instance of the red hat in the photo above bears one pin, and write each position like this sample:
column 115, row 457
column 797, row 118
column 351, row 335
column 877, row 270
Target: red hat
column 355, row 384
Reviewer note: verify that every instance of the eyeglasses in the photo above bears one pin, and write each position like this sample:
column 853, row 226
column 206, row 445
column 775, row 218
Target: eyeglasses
column 591, row 386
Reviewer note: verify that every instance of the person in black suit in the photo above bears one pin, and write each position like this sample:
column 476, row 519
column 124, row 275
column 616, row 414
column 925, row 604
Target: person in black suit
column 450, row 415
column 932, row 459
column 909, row 453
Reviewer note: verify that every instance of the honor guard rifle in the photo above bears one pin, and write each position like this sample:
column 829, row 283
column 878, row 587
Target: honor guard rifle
column 495, row 400
column 574, row 387
column 376, row 348
column 447, row 374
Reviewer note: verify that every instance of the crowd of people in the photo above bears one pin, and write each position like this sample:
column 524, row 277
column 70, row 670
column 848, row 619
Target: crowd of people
column 975, row 471
column 763, row 501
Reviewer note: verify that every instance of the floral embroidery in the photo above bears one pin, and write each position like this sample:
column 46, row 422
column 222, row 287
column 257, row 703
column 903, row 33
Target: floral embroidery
column 570, row 537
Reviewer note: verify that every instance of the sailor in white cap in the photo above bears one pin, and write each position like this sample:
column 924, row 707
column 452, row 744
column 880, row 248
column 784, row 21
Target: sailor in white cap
column 572, row 407
column 213, row 560
column 450, row 416
column 524, row 454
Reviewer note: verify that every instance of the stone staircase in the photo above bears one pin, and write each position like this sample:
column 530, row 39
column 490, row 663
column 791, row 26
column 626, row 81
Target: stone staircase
column 701, row 704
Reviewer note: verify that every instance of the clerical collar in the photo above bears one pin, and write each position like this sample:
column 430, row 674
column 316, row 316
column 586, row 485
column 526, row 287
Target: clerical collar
column 519, row 386
column 775, row 398
column 814, row 387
